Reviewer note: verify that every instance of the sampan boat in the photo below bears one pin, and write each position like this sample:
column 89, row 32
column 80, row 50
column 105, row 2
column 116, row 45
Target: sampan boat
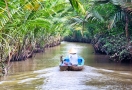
column 66, row 66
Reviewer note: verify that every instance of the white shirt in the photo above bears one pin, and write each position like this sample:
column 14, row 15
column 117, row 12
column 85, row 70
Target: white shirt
column 73, row 58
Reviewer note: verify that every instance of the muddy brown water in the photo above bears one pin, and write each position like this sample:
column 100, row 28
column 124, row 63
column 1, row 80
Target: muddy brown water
column 42, row 72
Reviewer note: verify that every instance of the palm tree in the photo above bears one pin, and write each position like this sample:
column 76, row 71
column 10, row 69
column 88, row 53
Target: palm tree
column 95, row 15
column 102, row 12
column 123, row 4
column 24, row 23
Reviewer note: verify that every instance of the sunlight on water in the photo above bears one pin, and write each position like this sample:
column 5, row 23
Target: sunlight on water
column 27, row 80
column 106, row 70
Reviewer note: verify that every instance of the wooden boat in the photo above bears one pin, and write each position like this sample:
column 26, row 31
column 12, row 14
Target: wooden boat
column 66, row 66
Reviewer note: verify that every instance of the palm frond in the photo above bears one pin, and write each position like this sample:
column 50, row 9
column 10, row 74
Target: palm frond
column 119, row 16
column 97, row 15
column 40, row 22
column 76, row 4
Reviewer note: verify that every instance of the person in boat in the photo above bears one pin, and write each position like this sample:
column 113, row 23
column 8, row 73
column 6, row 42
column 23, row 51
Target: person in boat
column 73, row 57
column 72, row 61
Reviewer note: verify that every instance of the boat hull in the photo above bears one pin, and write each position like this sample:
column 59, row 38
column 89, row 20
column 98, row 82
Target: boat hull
column 71, row 68
column 65, row 64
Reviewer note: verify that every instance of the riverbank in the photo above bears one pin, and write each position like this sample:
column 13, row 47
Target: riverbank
column 30, row 51
column 24, row 53
column 116, row 46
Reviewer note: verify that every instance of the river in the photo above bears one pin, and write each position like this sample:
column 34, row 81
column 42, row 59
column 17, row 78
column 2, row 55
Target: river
column 42, row 72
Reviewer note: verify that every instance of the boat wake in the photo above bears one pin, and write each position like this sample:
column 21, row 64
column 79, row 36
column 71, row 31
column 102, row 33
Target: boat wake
column 67, row 80
column 89, row 78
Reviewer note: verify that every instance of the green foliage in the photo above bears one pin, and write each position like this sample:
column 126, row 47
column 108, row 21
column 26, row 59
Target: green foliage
column 76, row 4
column 30, row 22
column 40, row 22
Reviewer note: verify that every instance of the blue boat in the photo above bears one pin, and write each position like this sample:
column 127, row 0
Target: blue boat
column 66, row 66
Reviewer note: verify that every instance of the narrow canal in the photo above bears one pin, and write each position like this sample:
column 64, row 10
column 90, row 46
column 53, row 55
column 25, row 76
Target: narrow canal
column 42, row 72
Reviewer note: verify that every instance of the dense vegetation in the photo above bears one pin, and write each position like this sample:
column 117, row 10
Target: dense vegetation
column 30, row 26
column 107, row 25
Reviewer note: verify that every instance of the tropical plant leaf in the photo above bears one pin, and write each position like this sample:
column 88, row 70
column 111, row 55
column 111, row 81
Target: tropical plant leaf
column 97, row 15
column 40, row 22
column 76, row 4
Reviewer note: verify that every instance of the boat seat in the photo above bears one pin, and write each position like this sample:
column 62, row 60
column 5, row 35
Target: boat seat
column 79, row 61
column 67, row 60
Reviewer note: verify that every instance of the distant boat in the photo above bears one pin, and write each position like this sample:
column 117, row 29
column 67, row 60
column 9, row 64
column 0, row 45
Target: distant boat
column 66, row 66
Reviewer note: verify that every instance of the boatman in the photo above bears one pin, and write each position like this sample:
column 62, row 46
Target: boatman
column 73, row 57
column 72, row 61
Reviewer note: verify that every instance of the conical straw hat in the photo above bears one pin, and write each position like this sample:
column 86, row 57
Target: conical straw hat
column 72, row 50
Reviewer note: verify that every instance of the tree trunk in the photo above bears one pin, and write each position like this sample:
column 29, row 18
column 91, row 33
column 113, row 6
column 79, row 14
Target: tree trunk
column 126, row 27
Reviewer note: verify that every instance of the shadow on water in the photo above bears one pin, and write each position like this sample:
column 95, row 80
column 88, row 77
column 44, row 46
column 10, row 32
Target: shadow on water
column 42, row 72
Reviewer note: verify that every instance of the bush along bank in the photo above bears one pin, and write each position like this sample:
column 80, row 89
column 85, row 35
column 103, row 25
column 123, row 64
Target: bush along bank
column 29, row 50
column 114, row 45
column 74, row 39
